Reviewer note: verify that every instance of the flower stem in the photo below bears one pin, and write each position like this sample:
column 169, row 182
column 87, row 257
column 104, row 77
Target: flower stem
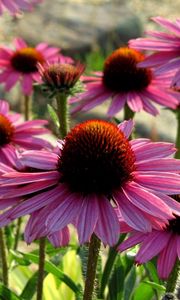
column 177, row 155
column 94, row 248
column 17, row 234
column 109, row 265
column 172, row 280
column 3, row 258
column 128, row 113
column 27, row 107
column 42, row 245
column 62, row 112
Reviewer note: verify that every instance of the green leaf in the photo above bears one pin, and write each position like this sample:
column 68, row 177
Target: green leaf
column 30, row 288
column 53, row 115
column 129, row 284
column 156, row 286
column 19, row 258
column 151, row 268
column 7, row 294
column 116, row 282
column 50, row 268
column 144, row 290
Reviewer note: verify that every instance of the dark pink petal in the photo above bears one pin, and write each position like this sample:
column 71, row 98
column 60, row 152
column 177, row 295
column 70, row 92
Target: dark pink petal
column 167, row 183
column 134, row 102
column 164, row 164
column 133, row 240
column 11, row 80
column 107, row 227
column 146, row 201
column 30, row 124
column 150, row 150
column 131, row 214
column 27, row 82
column 87, row 218
column 153, row 243
column 65, row 212
column 167, row 258
column 4, row 107
column 60, row 238
column 167, row 24
column 178, row 246
column 40, row 160
column 117, row 104
column 126, row 127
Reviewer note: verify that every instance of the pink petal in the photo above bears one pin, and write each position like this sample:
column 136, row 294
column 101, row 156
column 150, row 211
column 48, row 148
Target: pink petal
column 117, row 104
column 107, row 227
column 134, row 239
column 126, row 127
column 87, row 218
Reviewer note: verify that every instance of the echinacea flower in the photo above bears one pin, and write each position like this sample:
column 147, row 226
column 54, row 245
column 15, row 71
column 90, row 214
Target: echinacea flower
column 60, row 77
column 164, row 243
column 16, row 134
column 125, row 83
column 96, row 175
column 20, row 64
column 16, row 6
column 166, row 46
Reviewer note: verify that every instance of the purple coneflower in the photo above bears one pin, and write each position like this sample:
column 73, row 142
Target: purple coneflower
column 21, row 63
column 164, row 243
column 166, row 47
column 96, row 175
column 125, row 83
column 15, row 134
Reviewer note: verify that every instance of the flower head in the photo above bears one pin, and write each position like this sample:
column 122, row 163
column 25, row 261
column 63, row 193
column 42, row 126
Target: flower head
column 16, row 6
column 125, row 83
column 164, row 243
column 21, row 63
column 166, row 47
column 95, row 176
column 60, row 77
column 14, row 134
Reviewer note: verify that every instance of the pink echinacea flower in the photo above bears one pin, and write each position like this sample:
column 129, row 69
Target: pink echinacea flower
column 96, row 175
column 166, row 47
column 164, row 243
column 16, row 6
column 125, row 83
column 20, row 64
column 21, row 135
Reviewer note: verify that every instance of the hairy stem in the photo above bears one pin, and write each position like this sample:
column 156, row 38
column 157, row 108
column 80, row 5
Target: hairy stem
column 42, row 245
column 62, row 112
column 3, row 258
column 172, row 280
column 27, row 107
column 128, row 113
column 94, row 248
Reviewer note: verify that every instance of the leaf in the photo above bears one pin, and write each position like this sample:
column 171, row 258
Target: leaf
column 156, row 286
column 19, row 258
column 53, row 115
column 30, row 288
column 144, row 290
column 50, row 268
column 116, row 282
column 129, row 284
column 7, row 294
column 150, row 267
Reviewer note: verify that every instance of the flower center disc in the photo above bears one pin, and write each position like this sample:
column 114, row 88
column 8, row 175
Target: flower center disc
column 96, row 158
column 6, row 130
column 25, row 60
column 174, row 224
column 121, row 73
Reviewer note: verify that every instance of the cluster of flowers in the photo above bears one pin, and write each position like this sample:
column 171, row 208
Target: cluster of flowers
column 96, row 178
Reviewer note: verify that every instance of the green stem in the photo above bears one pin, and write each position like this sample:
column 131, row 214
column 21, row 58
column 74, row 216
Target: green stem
column 62, row 112
column 172, row 280
column 128, row 113
column 42, row 245
column 94, row 248
column 3, row 258
column 177, row 155
column 27, row 107
column 17, row 234
column 109, row 265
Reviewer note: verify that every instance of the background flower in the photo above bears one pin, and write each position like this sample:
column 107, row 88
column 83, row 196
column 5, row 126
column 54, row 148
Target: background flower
column 166, row 47
column 20, row 64
column 16, row 134
column 125, row 83
column 96, row 176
